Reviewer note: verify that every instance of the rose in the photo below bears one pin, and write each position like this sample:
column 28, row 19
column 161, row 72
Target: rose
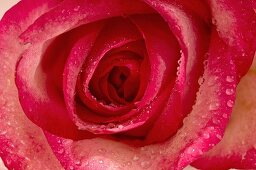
column 163, row 99
column 192, row 153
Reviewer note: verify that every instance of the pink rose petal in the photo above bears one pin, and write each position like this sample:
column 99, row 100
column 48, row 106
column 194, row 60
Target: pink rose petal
column 237, row 149
column 22, row 143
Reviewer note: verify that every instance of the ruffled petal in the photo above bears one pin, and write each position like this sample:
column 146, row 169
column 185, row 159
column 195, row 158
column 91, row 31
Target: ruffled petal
column 39, row 92
column 22, row 144
column 237, row 148
column 70, row 14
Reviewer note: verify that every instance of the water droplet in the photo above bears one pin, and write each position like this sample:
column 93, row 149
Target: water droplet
column 200, row 152
column 230, row 103
column 230, row 79
column 229, row 91
column 120, row 126
column 101, row 161
column 142, row 148
column 78, row 163
column 135, row 158
column 61, row 151
column 215, row 121
column 225, row 115
column 206, row 135
column 190, row 150
column 214, row 21
column 102, row 126
column 145, row 164
column 218, row 136
column 102, row 150
column 214, row 106
column 205, row 63
column 179, row 61
column 178, row 72
column 243, row 155
column 218, row 70
column 111, row 126
column 27, row 159
column 8, row 161
column 128, row 163
column 77, row 8
column 211, row 127
column 200, row 81
column 211, row 82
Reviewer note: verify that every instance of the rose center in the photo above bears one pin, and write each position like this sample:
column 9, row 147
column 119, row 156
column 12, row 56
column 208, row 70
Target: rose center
column 117, row 78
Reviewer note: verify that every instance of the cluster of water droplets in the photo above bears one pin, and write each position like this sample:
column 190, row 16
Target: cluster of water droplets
column 179, row 63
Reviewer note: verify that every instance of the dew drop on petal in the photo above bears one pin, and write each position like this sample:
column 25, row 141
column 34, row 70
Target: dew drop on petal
column 206, row 135
column 205, row 63
column 135, row 158
column 120, row 126
column 179, row 61
column 214, row 106
column 77, row 8
column 61, row 151
column 215, row 121
column 230, row 103
column 129, row 163
column 230, row 79
column 142, row 148
column 218, row 136
column 200, row 81
column 145, row 164
column 111, row 126
column 229, row 91
column 243, row 156
column 225, row 115
column 190, row 150
column 102, row 150
column 86, row 163
column 78, row 163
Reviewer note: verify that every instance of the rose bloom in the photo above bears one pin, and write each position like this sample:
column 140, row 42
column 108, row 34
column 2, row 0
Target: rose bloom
column 138, row 84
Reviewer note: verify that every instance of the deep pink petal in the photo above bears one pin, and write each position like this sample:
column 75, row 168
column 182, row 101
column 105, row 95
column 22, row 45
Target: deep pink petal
column 109, row 38
column 237, row 149
column 116, row 34
column 197, row 135
column 235, row 22
column 193, row 51
column 71, row 14
column 39, row 92
column 22, row 143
